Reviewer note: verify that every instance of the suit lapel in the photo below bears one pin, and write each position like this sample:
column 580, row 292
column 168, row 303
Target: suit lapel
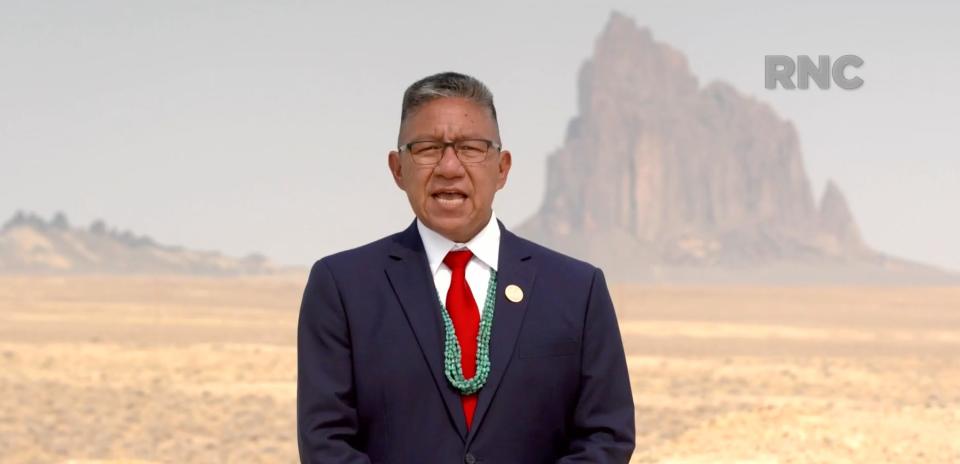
column 409, row 274
column 514, row 268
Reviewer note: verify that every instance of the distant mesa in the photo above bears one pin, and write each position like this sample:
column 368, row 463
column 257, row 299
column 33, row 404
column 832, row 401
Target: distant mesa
column 661, row 179
column 31, row 245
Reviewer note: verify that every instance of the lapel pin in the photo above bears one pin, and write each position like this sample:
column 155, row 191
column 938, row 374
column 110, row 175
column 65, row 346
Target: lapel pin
column 514, row 293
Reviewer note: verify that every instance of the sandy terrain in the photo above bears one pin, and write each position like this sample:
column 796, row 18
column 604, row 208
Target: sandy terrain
column 202, row 370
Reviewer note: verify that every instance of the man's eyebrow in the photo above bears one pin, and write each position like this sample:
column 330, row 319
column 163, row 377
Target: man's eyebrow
column 432, row 137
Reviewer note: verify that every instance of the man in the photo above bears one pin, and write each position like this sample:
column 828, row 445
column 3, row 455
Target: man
column 456, row 340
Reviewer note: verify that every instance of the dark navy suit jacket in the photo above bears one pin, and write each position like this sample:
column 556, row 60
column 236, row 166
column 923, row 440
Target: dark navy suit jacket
column 371, row 387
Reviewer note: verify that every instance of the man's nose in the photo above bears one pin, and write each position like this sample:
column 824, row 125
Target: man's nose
column 449, row 164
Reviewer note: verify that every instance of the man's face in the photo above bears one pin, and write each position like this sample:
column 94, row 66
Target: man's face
column 450, row 197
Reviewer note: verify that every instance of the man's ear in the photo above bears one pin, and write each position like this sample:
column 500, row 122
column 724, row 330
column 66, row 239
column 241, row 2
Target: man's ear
column 503, row 165
column 393, row 162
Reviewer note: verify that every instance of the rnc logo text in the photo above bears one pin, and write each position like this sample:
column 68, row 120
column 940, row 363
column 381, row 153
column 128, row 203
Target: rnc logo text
column 780, row 69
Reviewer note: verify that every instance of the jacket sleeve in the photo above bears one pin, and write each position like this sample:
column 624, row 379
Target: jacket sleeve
column 327, row 422
column 603, row 421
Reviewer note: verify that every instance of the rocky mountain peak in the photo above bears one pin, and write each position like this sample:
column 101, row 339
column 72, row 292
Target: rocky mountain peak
column 658, row 172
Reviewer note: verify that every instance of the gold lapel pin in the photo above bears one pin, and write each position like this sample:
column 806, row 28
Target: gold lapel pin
column 514, row 293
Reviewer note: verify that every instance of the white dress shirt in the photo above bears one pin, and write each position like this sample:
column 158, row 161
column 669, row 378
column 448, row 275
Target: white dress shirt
column 486, row 251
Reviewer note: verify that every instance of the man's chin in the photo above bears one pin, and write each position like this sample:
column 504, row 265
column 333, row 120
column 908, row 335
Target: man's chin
column 445, row 217
column 450, row 226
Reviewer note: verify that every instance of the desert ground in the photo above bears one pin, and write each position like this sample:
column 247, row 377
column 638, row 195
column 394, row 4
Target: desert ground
column 202, row 370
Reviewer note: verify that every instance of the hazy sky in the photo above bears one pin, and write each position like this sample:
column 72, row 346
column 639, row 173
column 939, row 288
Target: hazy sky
column 264, row 126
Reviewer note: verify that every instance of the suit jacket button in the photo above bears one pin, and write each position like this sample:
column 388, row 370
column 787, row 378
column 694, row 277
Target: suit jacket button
column 469, row 459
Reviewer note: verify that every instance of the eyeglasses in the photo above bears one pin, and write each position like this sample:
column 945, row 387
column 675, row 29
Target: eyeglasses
column 430, row 152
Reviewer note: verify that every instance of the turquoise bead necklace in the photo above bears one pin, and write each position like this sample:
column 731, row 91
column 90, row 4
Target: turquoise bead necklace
column 452, row 356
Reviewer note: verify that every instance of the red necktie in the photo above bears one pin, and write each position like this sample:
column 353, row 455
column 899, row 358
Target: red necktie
column 466, row 321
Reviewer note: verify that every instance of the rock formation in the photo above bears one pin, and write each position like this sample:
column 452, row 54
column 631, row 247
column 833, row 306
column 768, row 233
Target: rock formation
column 658, row 173
column 29, row 244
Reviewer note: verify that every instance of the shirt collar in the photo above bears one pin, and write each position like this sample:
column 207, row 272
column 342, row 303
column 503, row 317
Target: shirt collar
column 485, row 245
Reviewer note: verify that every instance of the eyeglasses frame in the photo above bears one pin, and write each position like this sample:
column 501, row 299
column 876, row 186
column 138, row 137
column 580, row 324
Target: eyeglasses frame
column 443, row 149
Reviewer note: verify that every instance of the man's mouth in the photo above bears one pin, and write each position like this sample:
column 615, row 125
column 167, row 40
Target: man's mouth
column 449, row 198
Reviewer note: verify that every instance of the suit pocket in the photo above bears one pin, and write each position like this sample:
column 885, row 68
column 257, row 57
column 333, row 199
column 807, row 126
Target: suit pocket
column 554, row 346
